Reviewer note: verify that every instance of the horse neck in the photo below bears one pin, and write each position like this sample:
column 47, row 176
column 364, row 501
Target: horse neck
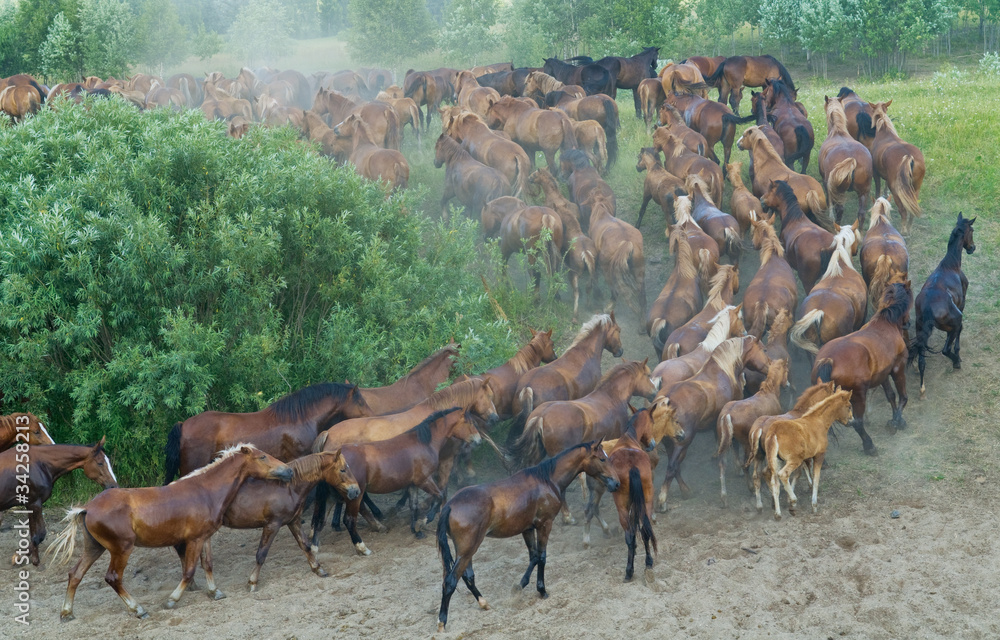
column 568, row 467
column 222, row 481
column 59, row 459
column 761, row 112
column 362, row 137
column 836, row 126
column 432, row 369
column 953, row 257
column 307, row 469
column 822, row 414
column 770, row 246
column 618, row 386
column 527, row 357
column 589, row 347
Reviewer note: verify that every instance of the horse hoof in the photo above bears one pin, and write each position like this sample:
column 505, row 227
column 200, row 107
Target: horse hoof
column 586, row 543
column 957, row 365
column 419, row 535
column 321, row 572
column 649, row 576
column 170, row 604
column 628, row 578
column 141, row 614
column 253, row 586
column 67, row 617
column 777, row 516
column 440, row 627
column 483, row 605
column 218, row 595
column 872, row 451
column 362, row 549
column 543, row 595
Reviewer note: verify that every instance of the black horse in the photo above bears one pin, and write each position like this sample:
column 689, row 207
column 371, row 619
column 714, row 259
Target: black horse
column 507, row 83
column 592, row 77
column 629, row 72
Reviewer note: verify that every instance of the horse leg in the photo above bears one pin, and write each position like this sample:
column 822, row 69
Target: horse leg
column 91, row 552
column 531, row 541
column 296, row 528
column 469, row 578
column 630, row 543
column 574, row 280
column 635, row 100
column 550, row 160
column 192, row 551
column 373, row 521
column 784, row 475
column 773, row 482
column 588, row 515
column 859, row 402
column 445, row 197
column 36, row 527
column 206, row 565
column 952, row 345
column 448, row 586
column 722, row 479
column 351, row 520
column 543, row 541
column 642, row 209
column 114, row 577
column 319, row 512
column 899, row 379
column 266, row 538
column 817, row 467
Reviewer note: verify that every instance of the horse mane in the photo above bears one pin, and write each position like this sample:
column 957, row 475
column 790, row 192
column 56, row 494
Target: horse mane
column 769, row 244
column 836, row 118
column 781, row 88
column 879, row 212
column 760, row 140
column 819, row 406
column 845, row 91
column 841, row 256
column 221, row 457
column 695, row 181
column 519, row 361
column 787, row 195
column 672, row 110
column 423, row 364
column 718, row 332
column 684, row 264
column 296, row 405
column 453, row 148
column 772, row 381
column 576, row 157
column 456, row 394
column 307, row 468
column 782, row 323
column 719, row 281
column 9, row 422
column 882, row 120
column 808, row 397
column 895, row 304
column 654, row 154
column 543, row 470
column 727, row 355
column 423, row 430
column 601, row 320
column 617, row 369
column 682, row 211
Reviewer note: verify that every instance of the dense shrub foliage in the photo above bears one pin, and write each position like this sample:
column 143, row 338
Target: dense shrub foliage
column 153, row 268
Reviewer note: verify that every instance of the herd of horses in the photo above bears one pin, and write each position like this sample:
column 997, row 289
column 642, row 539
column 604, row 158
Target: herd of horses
column 722, row 366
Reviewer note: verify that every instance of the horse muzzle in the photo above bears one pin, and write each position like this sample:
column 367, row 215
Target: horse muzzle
column 475, row 439
column 619, row 353
column 111, row 485
column 353, row 492
column 652, row 444
column 283, row 473
column 492, row 420
column 612, row 483
column 971, row 250
column 679, row 437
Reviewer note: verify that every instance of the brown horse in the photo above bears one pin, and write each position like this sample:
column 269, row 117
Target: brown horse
column 503, row 379
column 471, row 181
column 23, row 428
column 572, row 375
column 651, row 96
column 407, row 462
column 484, row 145
column 790, row 123
column 776, row 348
column 723, row 327
column 773, row 287
column 407, row 113
column 380, row 117
column 189, row 88
column 286, row 429
column 711, row 119
column 19, row 100
column 899, row 163
column 801, row 439
column 673, row 122
column 742, row 203
column 329, row 144
column 680, row 298
column 538, row 84
column 699, row 399
column 629, row 72
column 525, row 503
column 534, row 129
column 844, row 163
column 883, row 253
column 859, row 117
column 808, row 247
column 369, row 159
column 678, row 160
column 423, row 89
column 522, row 229
column 592, row 140
column 182, row 515
column 758, row 108
column 619, row 256
column 737, row 416
column 416, row 386
column 584, row 183
column 29, row 474
column 769, row 168
column 703, row 246
column 600, row 108
column 870, row 357
column 682, row 78
column 269, row 505
column 720, row 226
column 686, row 337
column 706, row 65
column 835, row 306
column 941, row 301
column 737, row 72
column 660, row 185
column 579, row 251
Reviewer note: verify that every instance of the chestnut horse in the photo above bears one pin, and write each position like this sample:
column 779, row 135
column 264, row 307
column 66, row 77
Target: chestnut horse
column 706, row 65
column 182, row 515
column 722, row 227
column 619, row 256
column 522, row 229
column 941, row 301
column 682, row 78
column 407, row 462
column 673, row 122
column 711, row 119
column 808, row 247
column 369, row 159
column 758, row 108
column 592, row 140
column 723, row 327
column 800, row 439
column 790, row 123
column 660, row 185
column 269, row 505
column 743, row 205
column 503, row 379
column 525, row 503
column 651, row 96
column 680, row 298
column 416, row 386
column 20, row 95
column 899, row 163
column 703, row 246
column 484, row 145
column 699, row 399
column 286, row 429
column 423, row 89
column 572, row 375
column 844, row 163
column 870, row 357
column 471, row 181
column 883, row 253
column 538, row 84
column 407, row 113
column 680, row 161
column 597, row 107
column 27, row 476
column 737, row 72
column 584, row 182
column 686, row 337
column 836, row 305
column 534, row 129
column 473, row 97
column 23, row 428
column 859, row 117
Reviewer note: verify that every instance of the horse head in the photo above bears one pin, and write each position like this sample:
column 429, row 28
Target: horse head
column 97, row 466
column 544, row 345
column 664, row 416
column 596, row 465
column 338, row 474
column 965, row 224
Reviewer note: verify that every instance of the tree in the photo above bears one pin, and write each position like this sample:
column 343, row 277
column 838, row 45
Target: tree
column 162, row 39
column 468, row 35
column 260, row 33
column 779, row 22
column 822, row 29
column 61, row 55
column 385, row 31
column 108, row 37
column 623, row 28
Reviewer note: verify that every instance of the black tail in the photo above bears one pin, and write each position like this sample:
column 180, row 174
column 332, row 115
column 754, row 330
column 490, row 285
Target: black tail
column 319, row 511
column 172, row 454
column 925, row 326
column 824, row 370
column 517, row 426
column 444, row 528
column 579, row 60
column 803, row 145
column 865, row 127
column 637, row 517
column 785, row 76
column 611, row 126
column 716, row 78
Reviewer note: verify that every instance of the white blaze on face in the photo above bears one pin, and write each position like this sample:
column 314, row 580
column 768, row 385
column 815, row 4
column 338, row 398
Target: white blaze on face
column 656, row 382
column 110, row 470
column 45, row 431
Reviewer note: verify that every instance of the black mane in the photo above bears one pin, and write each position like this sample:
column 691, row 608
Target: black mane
column 575, row 157
column 846, row 91
column 787, row 195
column 423, row 430
column 544, row 469
column 897, row 301
column 781, row 88
column 296, row 405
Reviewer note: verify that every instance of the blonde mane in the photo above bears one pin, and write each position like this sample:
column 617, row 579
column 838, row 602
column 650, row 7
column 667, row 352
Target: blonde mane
column 881, row 119
column 780, row 325
column 722, row 279
column 221, row 457
column 735, row 176
column 728, row 355
column 822, row 404
column 684, row 263
column 778, row 370
column 767, row 237
column 759, row 140
column 880, row 212
column 519, row 361
column 694, row 181
column 841, row 258
column 718, row 332
column 836, row 118
column 308, row 468
column 457, row 394
column 682, row 212
column 602, row 321
column 544, row 81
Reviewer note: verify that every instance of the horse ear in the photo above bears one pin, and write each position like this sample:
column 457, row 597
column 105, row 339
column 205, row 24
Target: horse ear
column 632, row 409
column 645, row 361
column 245, row 450
column 888, row 104
column 826, row 99
column 959, row 218
column 972, row 220
column 533, row 332
column 100, row 445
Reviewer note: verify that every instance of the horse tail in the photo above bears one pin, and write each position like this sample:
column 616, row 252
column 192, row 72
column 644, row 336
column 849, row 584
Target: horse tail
column 724, row 433
column 824, row 370
column 638, row 517
column 182, row 84
column 841, row 174
column 530, row 447
column 621, row 272
column 601, row 146
column 655, row 333
column 705, row 263
column 673, row 350
column 925, row 326
column 553, row 255
column 527, row 399
column 401, row 171
column 753, row 445
column 444, row 528
column 906, row 192
column 392, row 129
column 569, row 137
column 611, row 127
column 797, row 333
column 734, row 245
column 803, row 145
column 172, row 454
column 880, row 278
column 865, row 126
column 521, row 172
column 716, row 78
column 65, row 543
column 820, row 215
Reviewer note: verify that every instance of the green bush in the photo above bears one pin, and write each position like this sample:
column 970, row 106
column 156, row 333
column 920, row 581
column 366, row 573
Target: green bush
column 153, row 268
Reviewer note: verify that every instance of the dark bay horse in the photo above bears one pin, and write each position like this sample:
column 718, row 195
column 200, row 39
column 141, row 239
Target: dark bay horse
column 808, row 247
column 941, row 301
column 43, row 465
column 286, row 429
column 790, row 123
column 22, row 427
column 270, row 505
column 859, row 116
column 883, row 253
column 183, row 515
column 416, row 386
column 525, row 503
column 737, row 72
column 870, row 357
column 592, row 77
column 631, row 71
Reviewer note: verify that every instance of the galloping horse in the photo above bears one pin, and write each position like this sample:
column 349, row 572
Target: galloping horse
column 285, row 429
column 737, row 72
column 900, row 163
column 790, row 123
column 773, row 286
column 525, row 503
column 941, row 301
column 416, row 386
column 43, row 465
column 844, row 163
column 659, row 186
column 183, row 515
column 808, row 247
column 883, row 253
column 471, row 181
column 572, row 375
column 680, row 298
column 869, row 357
column 768, row 168
column 534, row 129
column 619, row 256
column 22, row 427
